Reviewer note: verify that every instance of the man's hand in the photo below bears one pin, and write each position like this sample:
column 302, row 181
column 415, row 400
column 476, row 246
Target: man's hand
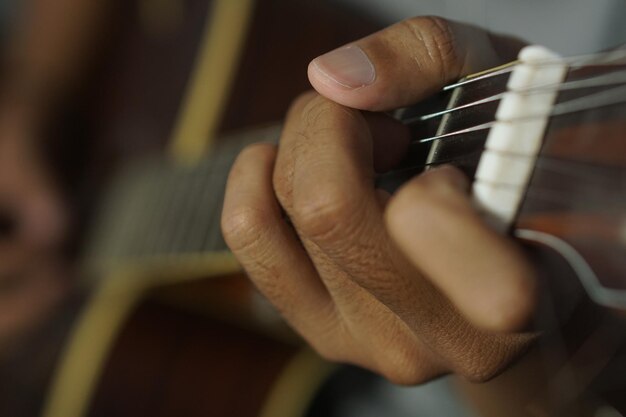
column 410, row 286
column 32, row 228
column 45, row 54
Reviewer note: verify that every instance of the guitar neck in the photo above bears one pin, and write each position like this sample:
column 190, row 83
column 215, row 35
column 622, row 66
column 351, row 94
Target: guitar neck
column 160, row 209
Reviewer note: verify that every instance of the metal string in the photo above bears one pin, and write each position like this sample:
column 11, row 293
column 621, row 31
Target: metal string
column 201, row 236
column 614, row 96
column 603, row 80
column 615, row 57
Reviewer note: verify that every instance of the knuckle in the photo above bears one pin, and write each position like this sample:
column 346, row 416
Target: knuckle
column 312, row 116
column 244, row 228
column 324, row 214
column 315, row 110
column 440, row 46
column 320, row 116
column 301, row 101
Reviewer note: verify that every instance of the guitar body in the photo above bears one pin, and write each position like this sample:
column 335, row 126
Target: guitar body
column 169, row 362
column 182, row 332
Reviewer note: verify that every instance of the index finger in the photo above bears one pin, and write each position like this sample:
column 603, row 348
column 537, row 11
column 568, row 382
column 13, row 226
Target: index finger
column 406, row 62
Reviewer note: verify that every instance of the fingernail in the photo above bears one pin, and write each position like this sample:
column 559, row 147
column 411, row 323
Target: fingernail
column 348, row 66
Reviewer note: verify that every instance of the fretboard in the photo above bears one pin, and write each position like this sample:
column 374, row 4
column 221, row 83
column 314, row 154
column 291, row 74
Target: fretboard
column 157, row 208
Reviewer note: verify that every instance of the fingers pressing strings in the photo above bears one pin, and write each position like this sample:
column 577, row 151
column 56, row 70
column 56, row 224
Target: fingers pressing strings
column 267, row 247
column 491, row 283
column 323, row 180
column 272, row 255
column 337, row 275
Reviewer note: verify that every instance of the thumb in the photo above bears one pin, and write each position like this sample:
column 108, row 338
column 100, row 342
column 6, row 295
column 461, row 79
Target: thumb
column 406, row 62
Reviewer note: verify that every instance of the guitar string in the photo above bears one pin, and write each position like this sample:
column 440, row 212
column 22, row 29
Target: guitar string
column 542, row 193
column 610, row 97
column 210, row 229
column 588, row 102
column 609, row 58
column 210, row 237
column 603, row 80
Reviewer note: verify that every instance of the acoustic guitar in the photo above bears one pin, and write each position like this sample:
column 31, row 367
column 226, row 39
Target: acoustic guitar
column 528, row 134
column 543, row 139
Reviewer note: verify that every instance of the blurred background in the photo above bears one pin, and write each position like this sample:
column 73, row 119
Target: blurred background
column 118, row 119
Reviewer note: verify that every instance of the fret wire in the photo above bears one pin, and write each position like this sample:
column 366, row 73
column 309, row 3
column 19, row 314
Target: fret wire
column 604, row 80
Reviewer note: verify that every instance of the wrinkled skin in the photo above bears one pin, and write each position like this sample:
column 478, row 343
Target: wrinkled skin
column 412, row 285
